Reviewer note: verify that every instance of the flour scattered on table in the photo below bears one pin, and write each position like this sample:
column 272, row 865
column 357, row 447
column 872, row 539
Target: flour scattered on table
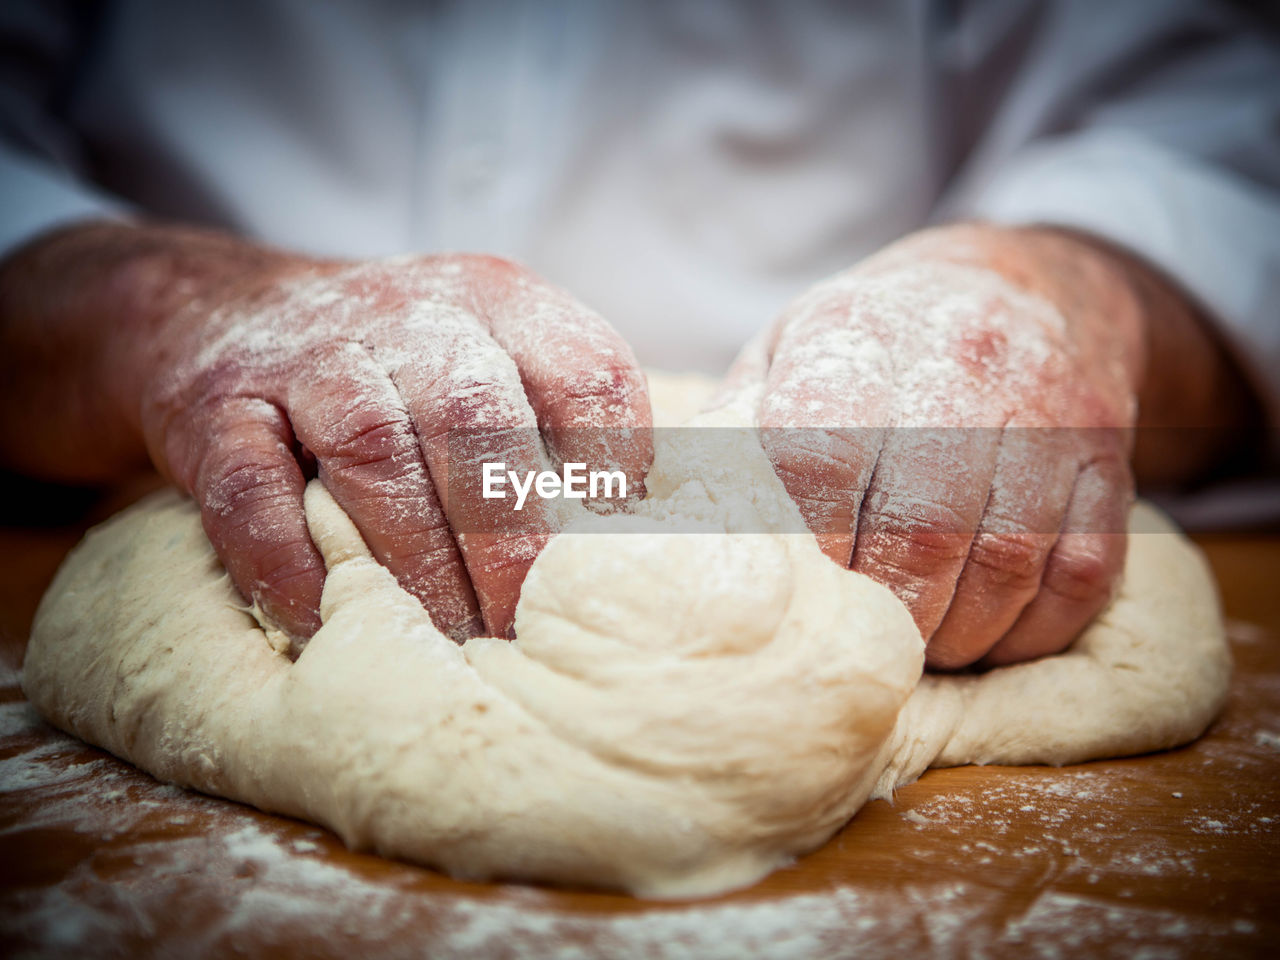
column 1266, row 738
column 277, row 885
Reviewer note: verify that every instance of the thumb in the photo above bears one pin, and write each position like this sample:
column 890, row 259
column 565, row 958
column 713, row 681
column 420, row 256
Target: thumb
column 250, row 489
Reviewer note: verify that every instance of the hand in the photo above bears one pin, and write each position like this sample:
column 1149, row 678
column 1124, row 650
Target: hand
column 952, row 418
column 243, row 377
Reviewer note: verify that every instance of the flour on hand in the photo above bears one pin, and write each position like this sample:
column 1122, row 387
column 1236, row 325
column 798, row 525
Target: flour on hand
column 680, row 715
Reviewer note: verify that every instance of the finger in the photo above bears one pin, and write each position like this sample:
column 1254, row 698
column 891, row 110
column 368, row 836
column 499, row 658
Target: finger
column 355, row 423
column 1081, row 570
column 920, row 514
column 826, row 400
column 467, row 403
column 250, row 490
column 1033, row 481
column 749, row 370
column 587, row 391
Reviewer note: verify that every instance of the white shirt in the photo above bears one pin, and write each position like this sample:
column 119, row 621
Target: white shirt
column 686, row 168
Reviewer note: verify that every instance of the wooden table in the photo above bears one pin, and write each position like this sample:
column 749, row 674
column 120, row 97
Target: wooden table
column 1175, row 854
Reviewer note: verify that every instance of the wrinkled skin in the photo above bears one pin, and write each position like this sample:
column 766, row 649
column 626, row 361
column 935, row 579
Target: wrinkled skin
column 237, row 371
column 369, row 370
column 953, row 417
column 249, row 377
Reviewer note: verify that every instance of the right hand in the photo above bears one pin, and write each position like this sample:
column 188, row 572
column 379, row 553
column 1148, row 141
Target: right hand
column 243, row 378
column 368, row 369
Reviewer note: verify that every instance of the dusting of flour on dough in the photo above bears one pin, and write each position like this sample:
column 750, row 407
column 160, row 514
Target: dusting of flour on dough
column 159, row 851
column 711, row 668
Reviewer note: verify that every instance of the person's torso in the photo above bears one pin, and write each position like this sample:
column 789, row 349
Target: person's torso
column 685, row 168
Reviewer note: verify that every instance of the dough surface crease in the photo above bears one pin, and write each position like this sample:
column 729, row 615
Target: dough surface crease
column 688, row 706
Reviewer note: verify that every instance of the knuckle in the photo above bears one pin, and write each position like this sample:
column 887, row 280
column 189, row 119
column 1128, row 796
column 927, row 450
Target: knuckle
column 1012, row 559
column 181, row 410
column 607, row 393
column 604, row 380
column 815, row 463
column 1082, row 572
column 368, row 435
column 923, row 540
column 238, row 483
column 204, row 388
column 1105, row 451
column 479, row 405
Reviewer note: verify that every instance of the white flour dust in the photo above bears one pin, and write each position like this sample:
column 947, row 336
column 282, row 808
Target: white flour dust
column 229, row 879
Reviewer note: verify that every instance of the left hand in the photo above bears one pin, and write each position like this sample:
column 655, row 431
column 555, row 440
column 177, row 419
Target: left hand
column 952, row 418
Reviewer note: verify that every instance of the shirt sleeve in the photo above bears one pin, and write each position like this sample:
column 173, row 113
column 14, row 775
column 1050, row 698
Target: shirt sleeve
column 1171, row 150
column 1216, row 234
column 36, row 197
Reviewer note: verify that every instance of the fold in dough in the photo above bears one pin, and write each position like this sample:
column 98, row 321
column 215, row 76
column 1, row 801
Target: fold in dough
column 681, row 714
